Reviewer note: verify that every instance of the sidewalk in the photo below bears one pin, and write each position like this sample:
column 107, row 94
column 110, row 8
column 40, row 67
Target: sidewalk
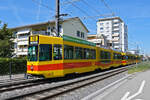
column 13, row 77
column 135, row 87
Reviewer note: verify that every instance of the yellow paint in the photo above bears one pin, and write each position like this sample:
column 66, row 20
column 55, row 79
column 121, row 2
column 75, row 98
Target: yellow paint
column 48, row 74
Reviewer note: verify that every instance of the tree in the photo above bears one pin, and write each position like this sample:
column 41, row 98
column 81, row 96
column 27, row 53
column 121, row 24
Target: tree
column 6, row 41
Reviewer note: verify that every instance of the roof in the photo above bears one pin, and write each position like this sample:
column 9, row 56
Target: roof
column 49, row 22
column 110, row 18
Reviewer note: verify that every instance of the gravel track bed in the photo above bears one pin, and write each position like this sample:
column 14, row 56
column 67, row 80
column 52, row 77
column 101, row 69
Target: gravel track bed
column 79, row 93
column 87, row 90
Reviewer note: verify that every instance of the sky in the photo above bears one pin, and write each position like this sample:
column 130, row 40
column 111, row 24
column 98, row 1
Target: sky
column 135, row 13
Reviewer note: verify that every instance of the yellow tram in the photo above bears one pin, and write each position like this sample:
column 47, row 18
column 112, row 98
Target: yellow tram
column 56, row 56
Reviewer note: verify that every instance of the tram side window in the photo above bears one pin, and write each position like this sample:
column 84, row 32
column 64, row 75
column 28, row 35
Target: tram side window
column 108, row 55
column 57, row 52
column 119, row 56
column 68, row 52
column 93, row 54
column 86, row 53
column 115, row 56
column 127, row 57
column 45, row 52
column 102, row 55
column 78, row 53
column 105, row 55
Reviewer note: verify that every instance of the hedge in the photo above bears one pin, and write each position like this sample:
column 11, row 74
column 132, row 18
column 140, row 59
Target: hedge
column 17, row 66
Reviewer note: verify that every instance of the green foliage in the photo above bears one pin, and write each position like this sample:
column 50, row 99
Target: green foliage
column 6, row 41
column 17, row 66
column 140, row 67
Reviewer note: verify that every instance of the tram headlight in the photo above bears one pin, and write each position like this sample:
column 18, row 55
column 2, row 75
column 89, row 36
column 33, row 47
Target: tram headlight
column 31, row 67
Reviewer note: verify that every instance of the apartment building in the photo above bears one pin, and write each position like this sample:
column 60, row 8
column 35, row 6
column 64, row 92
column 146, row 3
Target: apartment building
column 115, row 30
column 100, row 41
column 73, row 27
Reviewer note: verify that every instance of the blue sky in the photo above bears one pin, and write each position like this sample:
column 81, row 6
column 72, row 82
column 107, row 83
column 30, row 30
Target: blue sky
column 135, row 13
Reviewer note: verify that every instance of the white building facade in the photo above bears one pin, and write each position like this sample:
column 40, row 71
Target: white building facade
column 71, row 27
column 115, row 30
column 100, row 41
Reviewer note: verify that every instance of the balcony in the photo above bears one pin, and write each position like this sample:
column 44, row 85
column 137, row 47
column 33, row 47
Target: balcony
column 39, row 32
column 115, row 34
column 22, row 50
column 116, row 25
column 15, row 40
column 115, row 20
column 22, row 43
column 21, row 53
column 116, row 43
column 115, row 39
column 116, row 29
column 116, row 47
column 23, row 31
column 22, row 38
column 95, row 40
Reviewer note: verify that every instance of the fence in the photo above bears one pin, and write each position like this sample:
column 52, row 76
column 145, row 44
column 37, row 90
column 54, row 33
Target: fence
column 12, row 68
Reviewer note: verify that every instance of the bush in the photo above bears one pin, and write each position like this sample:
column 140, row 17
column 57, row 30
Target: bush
column 17, row 66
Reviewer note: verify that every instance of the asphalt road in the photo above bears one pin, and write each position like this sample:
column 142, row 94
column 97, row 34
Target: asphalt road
column 136, row 87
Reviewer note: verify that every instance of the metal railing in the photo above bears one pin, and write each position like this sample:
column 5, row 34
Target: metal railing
column 12, row 70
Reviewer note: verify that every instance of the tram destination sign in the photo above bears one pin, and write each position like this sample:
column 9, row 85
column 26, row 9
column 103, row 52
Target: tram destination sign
column 33, row 39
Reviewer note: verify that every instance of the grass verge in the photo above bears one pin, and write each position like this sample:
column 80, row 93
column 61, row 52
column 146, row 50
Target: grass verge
column 143, row 66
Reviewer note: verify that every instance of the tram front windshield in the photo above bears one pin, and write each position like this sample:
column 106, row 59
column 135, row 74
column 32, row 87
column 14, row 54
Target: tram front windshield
column 33, row 53
column 45, row 52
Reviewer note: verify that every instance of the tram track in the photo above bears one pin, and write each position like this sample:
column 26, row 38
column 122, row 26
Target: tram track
column 53, row 91
column 19, row 82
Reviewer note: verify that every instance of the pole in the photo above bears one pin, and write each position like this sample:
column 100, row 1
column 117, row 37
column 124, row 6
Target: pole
column 57, row 17
column 10, row 70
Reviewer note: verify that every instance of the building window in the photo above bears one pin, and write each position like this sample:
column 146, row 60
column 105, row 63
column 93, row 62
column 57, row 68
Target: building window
column 78, row 33
column 60, row 28
column 15, row 45
column 82, row 34
column 15, row 34
column 116, row 23
column 107, row 27
column 101, row 28
column 101, row 23
column 107, row 23
column 48, row 30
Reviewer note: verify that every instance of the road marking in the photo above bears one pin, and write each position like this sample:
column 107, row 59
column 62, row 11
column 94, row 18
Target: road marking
column 93, row 95
column 107, row 92
column 138, row 99
column 125, row 96
column 139, row 92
